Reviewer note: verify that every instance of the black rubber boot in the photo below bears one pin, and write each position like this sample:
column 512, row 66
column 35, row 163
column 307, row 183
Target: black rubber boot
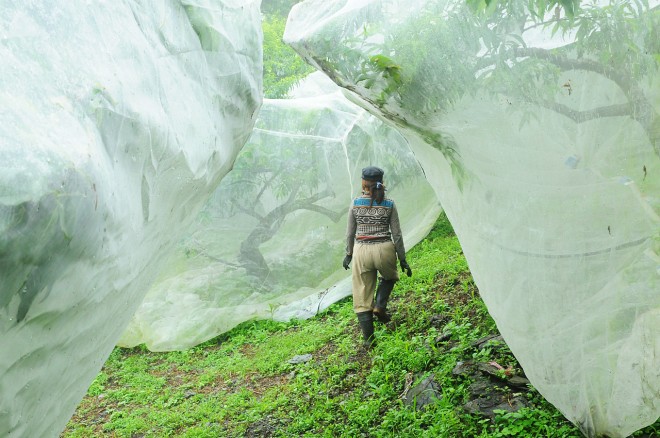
column 382, row 296
column 366, row 321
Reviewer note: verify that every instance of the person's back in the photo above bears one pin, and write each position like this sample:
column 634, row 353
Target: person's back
column 373, row 219
column 373, row 242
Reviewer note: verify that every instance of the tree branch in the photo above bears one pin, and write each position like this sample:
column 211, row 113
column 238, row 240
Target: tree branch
column 623, row 109
column 630, row 89
column 638, row 107
column 200, row 249
column 252, row 213
column 267, row 184
column 333, row 215
column 576, row 64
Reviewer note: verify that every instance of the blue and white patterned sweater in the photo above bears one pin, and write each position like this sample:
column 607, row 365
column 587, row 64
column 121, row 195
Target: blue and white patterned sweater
column 373, row 224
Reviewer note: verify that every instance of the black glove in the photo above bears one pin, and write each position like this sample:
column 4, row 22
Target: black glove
column 406, row 267
column 347, row 261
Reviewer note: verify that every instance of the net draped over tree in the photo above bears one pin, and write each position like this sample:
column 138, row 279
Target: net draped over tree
column 537, row 124
column 270, row 241
column 118, row 119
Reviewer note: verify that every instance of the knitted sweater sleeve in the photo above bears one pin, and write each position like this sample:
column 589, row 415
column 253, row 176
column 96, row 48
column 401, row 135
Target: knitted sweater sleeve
column 397, row 237
column 351, row 229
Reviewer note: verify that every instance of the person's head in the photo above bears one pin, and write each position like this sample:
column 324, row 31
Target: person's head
column 372, row 183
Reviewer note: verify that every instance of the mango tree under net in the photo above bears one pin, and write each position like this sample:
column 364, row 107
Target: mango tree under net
column 118, row 119
column 539, row 130
column 270, row 241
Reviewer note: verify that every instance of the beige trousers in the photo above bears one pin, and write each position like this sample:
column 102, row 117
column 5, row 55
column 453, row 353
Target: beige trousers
column 369, row 259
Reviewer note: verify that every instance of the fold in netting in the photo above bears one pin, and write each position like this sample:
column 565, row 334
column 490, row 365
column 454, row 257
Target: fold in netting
column 541, row 156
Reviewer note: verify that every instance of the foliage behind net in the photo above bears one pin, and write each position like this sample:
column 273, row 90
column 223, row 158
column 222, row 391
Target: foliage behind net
column 270, row 241
column 537, row 124
column 117, row 121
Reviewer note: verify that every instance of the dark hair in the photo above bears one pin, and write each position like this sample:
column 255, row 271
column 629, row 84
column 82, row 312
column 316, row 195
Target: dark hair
column 376, row 190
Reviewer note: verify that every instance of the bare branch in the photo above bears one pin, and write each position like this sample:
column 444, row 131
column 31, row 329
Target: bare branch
column 638, row 107
column 333, row 215
column 219, row 260
column 576, row 64
column 267, row 185
column 583, row 116
column 249, row 212
column 200, row 249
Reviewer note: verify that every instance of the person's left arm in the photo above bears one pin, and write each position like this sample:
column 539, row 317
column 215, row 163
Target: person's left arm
column 397, row 238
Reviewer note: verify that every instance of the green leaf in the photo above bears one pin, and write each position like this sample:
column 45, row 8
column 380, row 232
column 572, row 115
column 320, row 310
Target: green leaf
column 519, row 39
column 569, row 6
column 382, row 62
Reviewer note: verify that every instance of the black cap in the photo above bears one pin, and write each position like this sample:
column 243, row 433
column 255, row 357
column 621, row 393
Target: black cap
column 372, row 173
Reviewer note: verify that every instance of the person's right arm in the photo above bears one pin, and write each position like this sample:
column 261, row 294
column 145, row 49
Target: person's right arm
column 351, row 229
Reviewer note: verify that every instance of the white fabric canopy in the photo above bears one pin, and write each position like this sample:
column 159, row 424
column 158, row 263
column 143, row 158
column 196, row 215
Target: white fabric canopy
column 270, row 241
column 544, row 150
column 118, row 119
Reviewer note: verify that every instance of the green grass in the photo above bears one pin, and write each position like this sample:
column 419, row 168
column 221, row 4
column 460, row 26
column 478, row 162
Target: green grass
column 241, row 383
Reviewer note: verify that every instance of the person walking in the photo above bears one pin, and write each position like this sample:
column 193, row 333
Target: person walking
column 373, row 243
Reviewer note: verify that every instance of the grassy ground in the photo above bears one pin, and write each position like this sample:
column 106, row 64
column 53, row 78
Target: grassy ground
column 242, row 384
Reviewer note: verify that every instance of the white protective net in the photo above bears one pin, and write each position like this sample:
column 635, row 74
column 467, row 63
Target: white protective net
column 270, row 241
column 118, row 119
column 542, row 142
